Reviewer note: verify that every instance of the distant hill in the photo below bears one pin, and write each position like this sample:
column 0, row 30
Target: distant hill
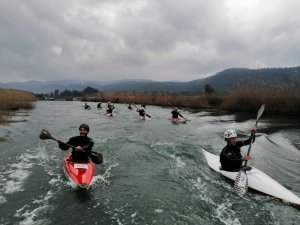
column 233, row 79
column 227, row 80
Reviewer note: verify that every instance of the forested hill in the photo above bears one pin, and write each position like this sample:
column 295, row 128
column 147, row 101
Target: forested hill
column 227, row 80
column 234, row 79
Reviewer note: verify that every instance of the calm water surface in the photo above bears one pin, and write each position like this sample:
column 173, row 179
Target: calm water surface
column 154, row 171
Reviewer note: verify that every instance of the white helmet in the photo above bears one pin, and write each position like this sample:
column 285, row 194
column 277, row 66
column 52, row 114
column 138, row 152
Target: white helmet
column 230, row 134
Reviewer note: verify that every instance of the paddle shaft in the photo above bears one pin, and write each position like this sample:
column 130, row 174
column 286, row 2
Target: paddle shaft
column 72, row 146
column 260, row 112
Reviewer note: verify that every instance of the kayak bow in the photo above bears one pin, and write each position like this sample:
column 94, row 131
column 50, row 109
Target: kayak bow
column 79, row 173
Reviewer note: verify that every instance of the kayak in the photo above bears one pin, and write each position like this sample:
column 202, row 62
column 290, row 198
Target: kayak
column 79, row 173
column 177, row 120
column 257, row 180
column 109, row 114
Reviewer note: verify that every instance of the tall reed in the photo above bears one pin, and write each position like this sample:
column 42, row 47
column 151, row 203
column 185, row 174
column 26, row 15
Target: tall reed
column 15, row 99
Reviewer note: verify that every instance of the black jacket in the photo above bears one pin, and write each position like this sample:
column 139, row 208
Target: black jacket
column 83, row 141
column 175, row 114
column 141, row 112
column 231, row 158
column 109, row 109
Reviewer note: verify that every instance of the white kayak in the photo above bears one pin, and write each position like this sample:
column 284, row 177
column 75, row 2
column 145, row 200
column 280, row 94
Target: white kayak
column 257, row 180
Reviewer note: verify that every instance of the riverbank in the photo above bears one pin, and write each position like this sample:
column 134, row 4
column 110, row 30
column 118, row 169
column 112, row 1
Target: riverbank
column 12, row 100
column 246, row 100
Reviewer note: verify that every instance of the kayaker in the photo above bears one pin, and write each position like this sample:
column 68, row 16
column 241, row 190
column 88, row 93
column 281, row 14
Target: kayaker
column 99, row 105
column 83, row 143
column 142, row 112
column 109, row 108
column 87, row 107
column 175, row 113
column 231, row 158
column 129, row 106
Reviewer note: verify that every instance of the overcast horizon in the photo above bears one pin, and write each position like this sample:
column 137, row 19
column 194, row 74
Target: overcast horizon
column 160, row 40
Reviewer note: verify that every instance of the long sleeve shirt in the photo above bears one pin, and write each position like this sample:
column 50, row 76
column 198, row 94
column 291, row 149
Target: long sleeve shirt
column 84, row 142
column 231, row 158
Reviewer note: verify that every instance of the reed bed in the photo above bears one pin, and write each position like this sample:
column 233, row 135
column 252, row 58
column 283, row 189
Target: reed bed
column 13, row 100
column 160, row 99
column 247, row 99
column 279, row 100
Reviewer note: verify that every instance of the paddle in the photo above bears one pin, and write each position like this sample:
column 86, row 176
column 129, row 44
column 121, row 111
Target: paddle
column 95, row 157
column 138, row 108
column 241, row 181
column 180, row 114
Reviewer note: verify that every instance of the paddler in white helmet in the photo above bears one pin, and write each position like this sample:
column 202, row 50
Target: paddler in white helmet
column 231, row 158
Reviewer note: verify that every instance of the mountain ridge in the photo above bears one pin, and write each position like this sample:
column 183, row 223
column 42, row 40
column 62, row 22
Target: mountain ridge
column 226, row 80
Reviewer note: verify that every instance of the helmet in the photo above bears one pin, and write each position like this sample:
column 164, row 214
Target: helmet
column 85, row 126
column 175, row 108
column 230, row 134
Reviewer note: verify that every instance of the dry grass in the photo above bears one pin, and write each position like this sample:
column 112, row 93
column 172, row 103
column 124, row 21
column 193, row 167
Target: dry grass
column 15, row 99
column 157, row 99
column 278, row 100
column 247, row 99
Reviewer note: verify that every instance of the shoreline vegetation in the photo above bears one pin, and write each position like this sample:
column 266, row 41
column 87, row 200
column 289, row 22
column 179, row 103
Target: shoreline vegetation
column 246, row 100
column 12, row 100
column 279, row 100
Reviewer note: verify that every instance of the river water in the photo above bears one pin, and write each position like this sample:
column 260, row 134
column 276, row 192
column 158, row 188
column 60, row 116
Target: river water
column 154, row 172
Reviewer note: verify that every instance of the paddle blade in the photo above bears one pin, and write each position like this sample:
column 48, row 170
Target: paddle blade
column 96, row 157
column 241, row 182
column 45, row 135
column 260, row 111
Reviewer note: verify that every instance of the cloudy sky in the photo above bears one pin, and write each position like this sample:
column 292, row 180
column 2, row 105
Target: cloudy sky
column 144, row 39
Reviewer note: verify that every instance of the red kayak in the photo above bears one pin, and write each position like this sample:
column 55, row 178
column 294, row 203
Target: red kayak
column 79, row 173
column 177, row 120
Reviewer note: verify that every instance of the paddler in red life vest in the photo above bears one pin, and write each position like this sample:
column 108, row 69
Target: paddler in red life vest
column 83, row 143
column 231, row 158
column 175, row 113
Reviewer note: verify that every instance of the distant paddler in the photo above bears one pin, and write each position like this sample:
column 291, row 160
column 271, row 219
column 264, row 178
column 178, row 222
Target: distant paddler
column 99, row 106
column 87, row 107
column 142, row 112
column 176, row 115
column 109, row 109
